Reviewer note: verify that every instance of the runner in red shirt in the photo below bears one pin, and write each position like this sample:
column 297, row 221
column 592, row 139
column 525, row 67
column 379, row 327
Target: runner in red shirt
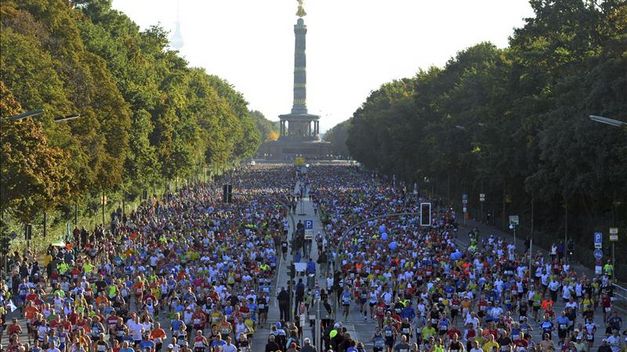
column 14, row 328
column 199, row 318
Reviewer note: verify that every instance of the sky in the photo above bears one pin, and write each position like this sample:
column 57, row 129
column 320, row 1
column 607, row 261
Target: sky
column 353, row 46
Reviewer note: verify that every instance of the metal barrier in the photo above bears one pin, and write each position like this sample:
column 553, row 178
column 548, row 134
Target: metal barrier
column 620, row 293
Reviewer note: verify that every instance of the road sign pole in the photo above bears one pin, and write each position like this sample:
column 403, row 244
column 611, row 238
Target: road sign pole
column 464, row 206
column 481, row 201
column 598, row 252
column 613, row 239
column 530, row 259
column 318, row 334
column 613, row 263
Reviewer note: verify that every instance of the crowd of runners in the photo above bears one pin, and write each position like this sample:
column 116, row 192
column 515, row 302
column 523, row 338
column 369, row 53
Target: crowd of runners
column 427, row 291
column 187, row 272
column 190, row 272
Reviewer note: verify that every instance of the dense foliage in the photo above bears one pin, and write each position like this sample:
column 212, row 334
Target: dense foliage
column 337, row 137
column 146, row 116
column 513, row 123
column 268, row 130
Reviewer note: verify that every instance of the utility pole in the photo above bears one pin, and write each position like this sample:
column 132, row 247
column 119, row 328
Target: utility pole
column 530, row 260
column 318, row 326
column 104, row 202
column 565, row 222
column 45, row 224
column 613, row 239
column 76, row 214
column 531, row 231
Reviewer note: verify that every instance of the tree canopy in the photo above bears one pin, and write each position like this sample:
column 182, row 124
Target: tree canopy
column 268, row 130
column 513, row 123
column 337, row 137
column 147, row 117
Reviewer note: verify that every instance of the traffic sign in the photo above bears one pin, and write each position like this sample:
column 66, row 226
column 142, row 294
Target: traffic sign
column 514, row 220
column 482, row 197
column 598, row 240
column 613, row 234
column 598, row 270
column 464, row 198
column 308, row 229
column 598, row 254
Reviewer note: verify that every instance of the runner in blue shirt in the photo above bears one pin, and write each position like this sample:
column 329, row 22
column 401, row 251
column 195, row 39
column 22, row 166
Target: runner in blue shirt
column 547, row 327
column 563, row 324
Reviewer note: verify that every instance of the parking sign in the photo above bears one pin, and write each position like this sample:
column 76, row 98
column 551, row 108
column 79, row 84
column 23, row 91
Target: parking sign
column 308, row 229
column 598, row 240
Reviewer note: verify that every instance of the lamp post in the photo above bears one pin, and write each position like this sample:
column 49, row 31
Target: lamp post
column 481, row 195
column 26, row 114
column 607, row 121
column 619, row 124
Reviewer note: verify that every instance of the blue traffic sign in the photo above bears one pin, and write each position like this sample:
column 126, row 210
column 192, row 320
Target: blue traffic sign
column 598, row 254
column 598, row 240
column 308, row 224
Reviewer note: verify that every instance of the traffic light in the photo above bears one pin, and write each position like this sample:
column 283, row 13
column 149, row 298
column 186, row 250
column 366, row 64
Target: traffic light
column 425, row 214
column 28, row 232
column 227, row 193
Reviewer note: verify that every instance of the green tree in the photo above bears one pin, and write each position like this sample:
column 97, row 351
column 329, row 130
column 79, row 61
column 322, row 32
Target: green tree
column 337, row 137
column 33, row 173
column 268, row 130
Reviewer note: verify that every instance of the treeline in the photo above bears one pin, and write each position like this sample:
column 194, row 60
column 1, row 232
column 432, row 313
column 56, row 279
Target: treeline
column 268, row 130
column 337, row 137
column 146, row 116
column 513, row 124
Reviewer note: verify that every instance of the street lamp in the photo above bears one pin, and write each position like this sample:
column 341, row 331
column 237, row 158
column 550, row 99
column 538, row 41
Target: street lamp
column 26, row 114
column 37, row 112
column 607, row 121
column 67, row 118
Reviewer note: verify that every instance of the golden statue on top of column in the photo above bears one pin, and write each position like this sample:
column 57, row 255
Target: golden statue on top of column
column 301, row 11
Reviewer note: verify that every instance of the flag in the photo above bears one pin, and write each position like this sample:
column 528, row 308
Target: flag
column 12, row 306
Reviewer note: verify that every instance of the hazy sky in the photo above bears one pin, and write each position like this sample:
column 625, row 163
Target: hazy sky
column 353, row 46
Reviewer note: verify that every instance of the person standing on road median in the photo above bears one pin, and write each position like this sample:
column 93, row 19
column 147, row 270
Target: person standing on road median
column 300, row 295
column 284, row 247
column 284, row 303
